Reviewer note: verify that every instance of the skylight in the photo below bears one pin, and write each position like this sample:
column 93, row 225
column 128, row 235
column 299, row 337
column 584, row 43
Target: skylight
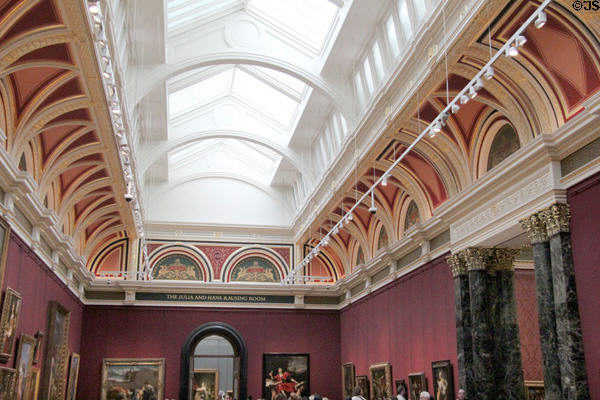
column 200, row 93
column 307, row 20
column 181, row 13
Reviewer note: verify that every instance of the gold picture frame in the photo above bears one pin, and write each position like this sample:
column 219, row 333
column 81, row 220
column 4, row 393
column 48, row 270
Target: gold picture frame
column 4, row 240
column 362, row 381
column 56, row 353
column 205, row 382
column 8, row 380
column 534, row 390
column 34, row 384
column 9, row 322
column 23, row 365
column 348, row 379
column 381, row 381
column 417, row 383
column 73, row 376
column 122, row 376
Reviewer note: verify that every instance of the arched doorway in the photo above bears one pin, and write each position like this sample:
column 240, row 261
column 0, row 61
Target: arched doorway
column 213, row 351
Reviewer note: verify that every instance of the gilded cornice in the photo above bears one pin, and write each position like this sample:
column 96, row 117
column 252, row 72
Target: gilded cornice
column 535, row 227
column 556, row 218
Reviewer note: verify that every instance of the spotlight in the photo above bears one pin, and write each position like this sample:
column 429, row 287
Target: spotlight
column 431, row 133
column 511, row 51
column 455, row 107
column 478, row 84
column 384, row 182
column 129, row 194
column 443, row 118
column 464, row 99
column 472, row 92
column 106, row 74
column 116, row 111
column 373, row 209
column 489, row 73
column 541, row 20
column 437, row 128
column 336, row 229
column 350, row 216
column 520, row 40
column 94, row 8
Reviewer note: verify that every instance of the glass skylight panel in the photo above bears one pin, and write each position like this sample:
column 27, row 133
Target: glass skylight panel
column 182, row 12
column 200, row 93
column 360, row 92
column 283, row 79
column 420, row 8
column 377, row 60
column 308, row 20
column 368, row 75
column 264, row 98
column 405, row 20
column 390, row 31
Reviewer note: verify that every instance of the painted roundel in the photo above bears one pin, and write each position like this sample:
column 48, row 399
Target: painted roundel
column 255, row 269
column 177, row 267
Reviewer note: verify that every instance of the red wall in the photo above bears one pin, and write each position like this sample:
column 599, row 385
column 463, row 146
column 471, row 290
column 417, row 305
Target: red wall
column 585, row 228
column 408, row 323
column 29, row 276
column 529, row 328
column 155, row 332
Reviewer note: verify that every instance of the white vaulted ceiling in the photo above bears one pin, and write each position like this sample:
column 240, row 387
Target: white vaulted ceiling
column 250, row 97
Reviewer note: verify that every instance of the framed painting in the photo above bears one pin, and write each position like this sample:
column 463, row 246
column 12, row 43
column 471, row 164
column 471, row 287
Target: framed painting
column 73, row 376
column 401, row 388
column 205, row 384
column 8, row 381
column 287, row 373
column 33, row 384
column 417, row 383
column 4, row 239
column 39, row 338
column 9, row 322
column 362, row 381
column 534, row 390
column 56, row 353
column 381, row 381
column 132, row 378
column 23, row 365
column 348, row 380
column 443, row 380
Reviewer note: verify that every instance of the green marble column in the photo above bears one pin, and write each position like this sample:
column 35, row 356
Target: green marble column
column 464, row 343
column 566, row 306
column 477, row 260
column 506, row 332
column 536, row 230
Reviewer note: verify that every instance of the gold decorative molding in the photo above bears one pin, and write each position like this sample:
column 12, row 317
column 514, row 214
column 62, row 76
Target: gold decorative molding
column 503, row 259
column 557, row 218
column 535, row 227
column 477, row 258
column 457, row 264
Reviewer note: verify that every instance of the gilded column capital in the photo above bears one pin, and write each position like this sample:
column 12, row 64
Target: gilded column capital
column 477, row 258
column 504, row 259
column 457, row 264
column 557, row 218
column 535, row 227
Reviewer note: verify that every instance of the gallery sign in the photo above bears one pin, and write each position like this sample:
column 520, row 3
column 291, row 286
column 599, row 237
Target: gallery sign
column 214, row 298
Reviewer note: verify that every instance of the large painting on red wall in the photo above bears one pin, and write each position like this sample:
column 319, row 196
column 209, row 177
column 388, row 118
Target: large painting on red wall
column 285, row 373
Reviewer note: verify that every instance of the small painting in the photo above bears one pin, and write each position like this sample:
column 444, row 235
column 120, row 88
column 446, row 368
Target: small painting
column 73, row 376
column 34, row 383
column 287, row 373
column 412, row 215
column 362, row 381
column 534, row 390
column 418, row 384
column 56, row 353
column 9, row 323
column 348, row 381
column 255, row 269
column 8, row 380
column 23, row 365
column 39, row 338
column 443, row 380
column 123, row 379
column 381, row 381
column 401, row 389
column 178, row 267
column 205, row 384
column 4, row 239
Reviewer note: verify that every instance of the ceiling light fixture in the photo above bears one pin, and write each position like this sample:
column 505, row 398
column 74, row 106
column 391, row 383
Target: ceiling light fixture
column 384, row 181
column 478, row 85
column 472, row 92
column 373, row 209
column 489, row 73
column 455, row 108
column 520, row 40
column 541, row 20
